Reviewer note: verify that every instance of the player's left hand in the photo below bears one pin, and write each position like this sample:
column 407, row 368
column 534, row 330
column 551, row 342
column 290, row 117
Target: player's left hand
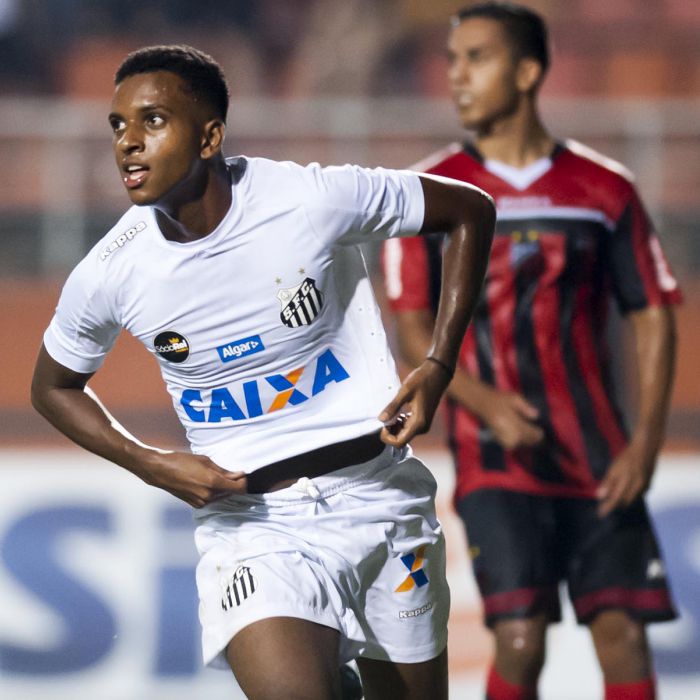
column 413, row 408
column 628, row 478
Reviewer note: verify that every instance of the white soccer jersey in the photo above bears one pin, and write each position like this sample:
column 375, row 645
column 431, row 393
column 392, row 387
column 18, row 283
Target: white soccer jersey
column 266, row 331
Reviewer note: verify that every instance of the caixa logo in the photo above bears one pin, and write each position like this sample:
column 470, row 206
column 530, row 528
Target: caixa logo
column 257, row 396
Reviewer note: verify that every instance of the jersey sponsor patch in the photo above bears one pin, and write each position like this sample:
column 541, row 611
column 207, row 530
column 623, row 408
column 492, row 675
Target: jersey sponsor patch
column 240, row 587
column 171, row 346
column 240, row 348
column 256, row 397
column 300, row 304
column 122, row 239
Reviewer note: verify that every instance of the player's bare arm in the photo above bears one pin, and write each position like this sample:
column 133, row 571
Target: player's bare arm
column 469, row 216
column 630, row 474
column 509, row 415
column 58, row 393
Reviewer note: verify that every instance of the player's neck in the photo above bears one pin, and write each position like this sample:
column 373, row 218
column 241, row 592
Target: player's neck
column 517, row 141
column 197, row 215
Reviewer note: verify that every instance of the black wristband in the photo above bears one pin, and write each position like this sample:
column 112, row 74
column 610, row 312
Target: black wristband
column 440, row 363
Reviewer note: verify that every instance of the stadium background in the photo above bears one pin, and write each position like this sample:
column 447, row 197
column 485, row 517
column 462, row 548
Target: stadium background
column 95, row 568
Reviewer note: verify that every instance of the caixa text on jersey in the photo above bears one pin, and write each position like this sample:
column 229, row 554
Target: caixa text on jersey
column 264, row 395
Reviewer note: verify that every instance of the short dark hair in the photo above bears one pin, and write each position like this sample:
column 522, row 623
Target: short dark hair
column 200, row 72
column 526, row 29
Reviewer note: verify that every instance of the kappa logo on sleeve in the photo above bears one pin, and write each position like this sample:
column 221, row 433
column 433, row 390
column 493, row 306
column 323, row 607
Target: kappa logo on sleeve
column 300, row 304
column 122, row 239
column 171, row 346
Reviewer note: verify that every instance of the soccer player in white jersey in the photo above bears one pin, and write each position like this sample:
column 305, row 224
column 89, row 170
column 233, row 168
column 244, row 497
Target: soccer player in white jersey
column 243, row 277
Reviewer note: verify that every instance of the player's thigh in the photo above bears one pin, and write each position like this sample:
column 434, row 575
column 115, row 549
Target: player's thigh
column 280, row 658
column 386, row 680
column 511, row 539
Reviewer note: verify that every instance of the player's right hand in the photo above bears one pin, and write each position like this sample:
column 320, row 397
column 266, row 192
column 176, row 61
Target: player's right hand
column 194, row 479
column 512, row 420
column 411, row 411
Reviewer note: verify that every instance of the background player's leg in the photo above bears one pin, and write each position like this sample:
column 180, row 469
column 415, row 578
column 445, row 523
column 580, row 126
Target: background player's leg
column 384, row 680
column 520, row 649
column 285, row 658
column 519, row 658
column 622, row 647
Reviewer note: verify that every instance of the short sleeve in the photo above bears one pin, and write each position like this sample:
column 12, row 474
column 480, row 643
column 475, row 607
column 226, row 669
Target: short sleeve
column 350, row 204
column 83, row 329
column 408, row 279
column 640, row 273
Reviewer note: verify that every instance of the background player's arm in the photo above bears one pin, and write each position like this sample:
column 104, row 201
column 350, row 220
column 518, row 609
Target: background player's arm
column 60, row 395
column 469, row 216
column 631, row 472
column 509, row 415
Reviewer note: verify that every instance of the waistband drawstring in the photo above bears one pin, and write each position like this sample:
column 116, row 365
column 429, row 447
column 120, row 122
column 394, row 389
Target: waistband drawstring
column 307, row 487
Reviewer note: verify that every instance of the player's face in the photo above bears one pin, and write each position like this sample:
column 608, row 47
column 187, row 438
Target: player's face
column 482, row 73
column 157, row 137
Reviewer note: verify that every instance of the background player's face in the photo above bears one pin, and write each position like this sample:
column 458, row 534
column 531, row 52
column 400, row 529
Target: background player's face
column 482, row 73
column 157, row 137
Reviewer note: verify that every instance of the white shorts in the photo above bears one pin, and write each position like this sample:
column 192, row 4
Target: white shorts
column 360, row 551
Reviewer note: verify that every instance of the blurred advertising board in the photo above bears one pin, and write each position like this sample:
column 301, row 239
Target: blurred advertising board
column 98, row 597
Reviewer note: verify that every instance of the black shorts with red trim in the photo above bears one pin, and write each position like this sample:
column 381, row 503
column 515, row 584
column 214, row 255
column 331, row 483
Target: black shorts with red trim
column 522, row 546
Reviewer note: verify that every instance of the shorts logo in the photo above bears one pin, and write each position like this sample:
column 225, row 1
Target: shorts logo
column 241, row 586
column 656, row 570
column 406, row 614
column 240, row 348
column 417, row 577
column 122, row 239
column 172, row 346
column 300, row 304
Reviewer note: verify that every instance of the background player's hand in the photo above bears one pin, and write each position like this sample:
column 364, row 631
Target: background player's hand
column 628, row 478
column 194, row 479
column 412, row 410
column 511, row 419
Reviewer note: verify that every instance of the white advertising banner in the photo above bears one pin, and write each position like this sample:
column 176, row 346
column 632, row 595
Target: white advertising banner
column 98, row 599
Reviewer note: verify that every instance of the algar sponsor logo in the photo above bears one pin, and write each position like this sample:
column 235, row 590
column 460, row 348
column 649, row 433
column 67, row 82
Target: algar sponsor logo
column 240, row 348
column 264, row 395
column 122, row 239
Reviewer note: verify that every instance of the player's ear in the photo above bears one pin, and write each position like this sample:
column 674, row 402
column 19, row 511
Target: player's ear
column 212, row 138
column 528, row 74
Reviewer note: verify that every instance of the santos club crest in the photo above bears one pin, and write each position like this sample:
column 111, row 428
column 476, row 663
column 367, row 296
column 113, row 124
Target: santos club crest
column 300, row 304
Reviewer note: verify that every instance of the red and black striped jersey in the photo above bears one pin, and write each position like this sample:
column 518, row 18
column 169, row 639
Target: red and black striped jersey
column 571, row 232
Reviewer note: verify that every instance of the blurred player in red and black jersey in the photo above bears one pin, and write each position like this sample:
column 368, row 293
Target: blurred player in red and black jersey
column 550, row 484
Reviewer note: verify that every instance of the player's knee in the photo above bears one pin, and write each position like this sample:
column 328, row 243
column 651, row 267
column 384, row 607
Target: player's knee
column 621, row 644
column 520, row 647
column 615, row 629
